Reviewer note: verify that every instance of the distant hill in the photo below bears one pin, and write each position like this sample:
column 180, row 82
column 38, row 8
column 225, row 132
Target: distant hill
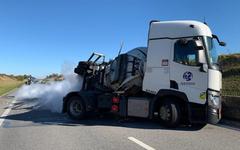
column 55, row 77
column 230, row 65
column 5, row 77
column 52, row 77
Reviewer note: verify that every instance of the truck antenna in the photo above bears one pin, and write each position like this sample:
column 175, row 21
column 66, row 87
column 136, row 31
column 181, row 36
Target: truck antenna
column 120, row 50
column 204, row 20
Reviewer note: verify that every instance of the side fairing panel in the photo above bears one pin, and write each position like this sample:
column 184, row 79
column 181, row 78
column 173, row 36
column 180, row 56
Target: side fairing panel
column 214, row 80
column 157, row 71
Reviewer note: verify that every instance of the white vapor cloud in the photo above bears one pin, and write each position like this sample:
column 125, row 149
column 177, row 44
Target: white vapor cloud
column 50, row 96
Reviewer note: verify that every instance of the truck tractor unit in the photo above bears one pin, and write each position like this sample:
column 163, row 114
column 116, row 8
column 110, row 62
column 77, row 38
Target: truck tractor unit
column 175, row 79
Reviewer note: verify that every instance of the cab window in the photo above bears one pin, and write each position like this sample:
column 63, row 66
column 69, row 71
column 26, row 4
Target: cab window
column 184, row 53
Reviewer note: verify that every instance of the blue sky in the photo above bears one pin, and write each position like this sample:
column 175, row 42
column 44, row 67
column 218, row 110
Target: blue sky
column 38, row 36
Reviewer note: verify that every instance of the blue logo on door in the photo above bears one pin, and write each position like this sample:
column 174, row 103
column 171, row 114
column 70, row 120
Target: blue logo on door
column 188, row 76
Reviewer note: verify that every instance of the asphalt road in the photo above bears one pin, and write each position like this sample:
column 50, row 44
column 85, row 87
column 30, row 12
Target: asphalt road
column 23, row 128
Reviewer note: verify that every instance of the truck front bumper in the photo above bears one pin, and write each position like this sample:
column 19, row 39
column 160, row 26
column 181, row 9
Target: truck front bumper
column 214, row 106
column 213, row 115
column 204, row 113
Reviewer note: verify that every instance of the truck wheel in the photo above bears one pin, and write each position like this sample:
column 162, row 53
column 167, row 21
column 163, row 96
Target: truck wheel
column 76, row 108
column 170, row 113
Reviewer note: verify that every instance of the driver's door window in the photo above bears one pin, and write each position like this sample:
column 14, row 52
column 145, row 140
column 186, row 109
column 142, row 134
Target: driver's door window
column 185, row 54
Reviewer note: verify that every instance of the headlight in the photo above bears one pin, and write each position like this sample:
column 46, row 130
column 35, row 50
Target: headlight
column 214, row 99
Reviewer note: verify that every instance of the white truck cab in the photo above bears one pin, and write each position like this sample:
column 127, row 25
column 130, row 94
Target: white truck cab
column 181, row 57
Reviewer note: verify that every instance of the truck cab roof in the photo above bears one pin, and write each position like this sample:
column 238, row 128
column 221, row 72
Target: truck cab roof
column 178, row 29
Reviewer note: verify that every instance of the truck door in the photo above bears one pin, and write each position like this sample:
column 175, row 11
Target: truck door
column 185, row 71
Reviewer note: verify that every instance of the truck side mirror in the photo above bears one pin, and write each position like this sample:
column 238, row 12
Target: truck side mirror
column 219, row 42
column 222, row 44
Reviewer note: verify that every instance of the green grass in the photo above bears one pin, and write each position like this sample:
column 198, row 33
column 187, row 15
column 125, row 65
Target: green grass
column 6, row 86
column 231, row 86
column 231, row 74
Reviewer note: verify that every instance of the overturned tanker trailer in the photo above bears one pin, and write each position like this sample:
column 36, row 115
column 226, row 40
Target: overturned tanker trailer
column 124, row 73
column 172, row 80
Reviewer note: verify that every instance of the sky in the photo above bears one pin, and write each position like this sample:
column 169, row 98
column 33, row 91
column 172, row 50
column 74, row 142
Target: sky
column 38, row 37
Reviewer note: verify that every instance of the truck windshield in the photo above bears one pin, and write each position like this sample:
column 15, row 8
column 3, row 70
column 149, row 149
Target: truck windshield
column 211, row 50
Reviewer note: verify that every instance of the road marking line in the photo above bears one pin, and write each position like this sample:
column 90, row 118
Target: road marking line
column 147, row 147
column 6, row 112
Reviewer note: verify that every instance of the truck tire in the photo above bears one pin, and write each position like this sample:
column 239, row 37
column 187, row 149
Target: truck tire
column 169, row 113
column 76, row 108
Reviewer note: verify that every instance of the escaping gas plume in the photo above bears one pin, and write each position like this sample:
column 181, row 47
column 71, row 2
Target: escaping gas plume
column 49, row 96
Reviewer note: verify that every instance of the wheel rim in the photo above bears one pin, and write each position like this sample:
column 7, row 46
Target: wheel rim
column 75, row 107
column 164, row 113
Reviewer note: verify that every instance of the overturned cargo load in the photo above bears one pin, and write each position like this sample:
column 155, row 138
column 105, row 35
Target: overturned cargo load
column 125, row 72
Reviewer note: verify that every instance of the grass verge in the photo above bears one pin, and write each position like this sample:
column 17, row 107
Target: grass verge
column 6, row 86
column 231, row 86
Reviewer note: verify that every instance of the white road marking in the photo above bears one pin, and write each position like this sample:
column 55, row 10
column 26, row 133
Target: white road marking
column 6, row 112
column 140, row 143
